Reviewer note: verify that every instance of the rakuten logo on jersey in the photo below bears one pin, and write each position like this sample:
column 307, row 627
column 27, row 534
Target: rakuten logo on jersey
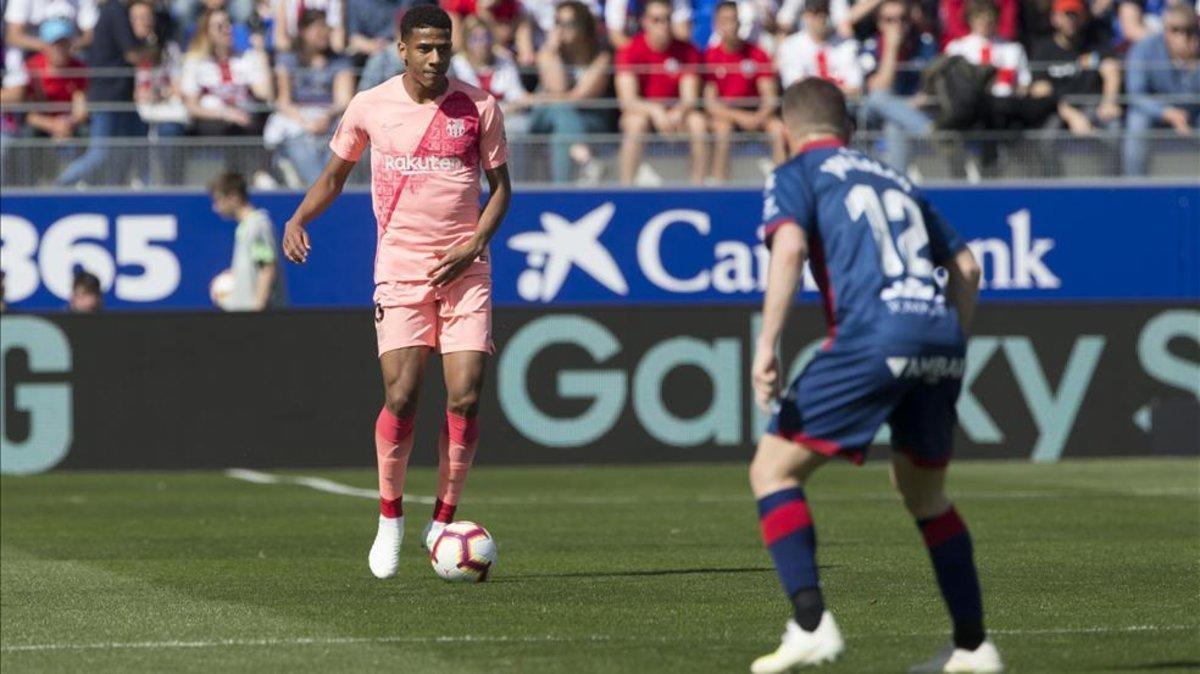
column 409, row 164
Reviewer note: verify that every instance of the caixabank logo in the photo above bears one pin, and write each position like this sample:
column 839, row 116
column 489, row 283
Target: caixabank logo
column 596, row 248
column 725, row 268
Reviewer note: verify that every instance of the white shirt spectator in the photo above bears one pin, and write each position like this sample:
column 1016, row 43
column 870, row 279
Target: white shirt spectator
column 1008, row 58
column 293, row 8
column 33, row 12
column 504, row 82
column 619, row 19
column 15, row 74
column 836, row 60
column 542, row 11
column 229, row 86
column 790, row 11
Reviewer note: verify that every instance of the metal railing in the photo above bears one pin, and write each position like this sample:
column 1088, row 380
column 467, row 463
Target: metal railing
column 193, row 161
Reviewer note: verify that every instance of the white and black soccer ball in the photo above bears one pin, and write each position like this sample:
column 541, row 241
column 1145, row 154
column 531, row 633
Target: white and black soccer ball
column 463, row 553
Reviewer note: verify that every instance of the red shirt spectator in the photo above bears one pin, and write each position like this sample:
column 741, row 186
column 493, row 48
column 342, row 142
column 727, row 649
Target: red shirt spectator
column 658, row 73
column 736, row 74
column 501, row 10
column 48, row 86
column 953, row 15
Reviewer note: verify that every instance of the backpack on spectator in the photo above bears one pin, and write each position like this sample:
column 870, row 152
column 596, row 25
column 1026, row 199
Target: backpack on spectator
column 959, row 89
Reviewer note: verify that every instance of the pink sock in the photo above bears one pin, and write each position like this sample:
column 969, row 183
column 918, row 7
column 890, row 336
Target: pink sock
column 393, row 445
column 461, row 438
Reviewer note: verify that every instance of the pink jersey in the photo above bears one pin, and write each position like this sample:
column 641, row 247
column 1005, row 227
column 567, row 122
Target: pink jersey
column 425, row 161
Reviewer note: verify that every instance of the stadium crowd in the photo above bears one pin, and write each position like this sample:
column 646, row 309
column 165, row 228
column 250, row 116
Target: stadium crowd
column 278, row 73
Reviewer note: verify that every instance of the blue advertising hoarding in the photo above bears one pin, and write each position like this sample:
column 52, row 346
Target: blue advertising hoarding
column 603, row 247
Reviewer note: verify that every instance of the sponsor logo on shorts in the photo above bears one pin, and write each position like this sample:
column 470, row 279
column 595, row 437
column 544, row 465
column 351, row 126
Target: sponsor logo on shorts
column 930, row 368
column 378, row 313
column 410, row 164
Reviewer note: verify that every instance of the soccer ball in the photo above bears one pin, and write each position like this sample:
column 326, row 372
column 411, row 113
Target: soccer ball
column 463, row 553
column 221, row 288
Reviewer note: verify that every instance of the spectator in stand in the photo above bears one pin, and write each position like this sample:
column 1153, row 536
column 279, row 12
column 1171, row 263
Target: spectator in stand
column 502, row 15
column 13, row 82
column 658, row 87
column 156, row 88
column 1163, row 82
column 790, row 17
column 372, row 27
column 536, row 25
column 893, row 59
column 1072, row 62
column 482, row 64
column 290, row 13
column 740, row 92
column 258, row 283
column 23, row 18
column 955, row 19
column 223, row 90
column 622, row 19
column 253, row 22
column 384, row 64
column 58, row 85
column 114, row 47
column 87, row 297
column 816, row 52
column 572, row 68
column 314, row 87
column 1139, row 19
column 756, row 22
column 983, row 47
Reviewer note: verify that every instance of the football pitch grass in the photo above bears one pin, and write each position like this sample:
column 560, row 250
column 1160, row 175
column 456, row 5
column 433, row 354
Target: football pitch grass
column 1086, row 566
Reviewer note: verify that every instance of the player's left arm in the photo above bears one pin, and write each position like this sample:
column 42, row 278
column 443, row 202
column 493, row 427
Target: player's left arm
column 263, row 283
column 454, row 261
column 789, row 250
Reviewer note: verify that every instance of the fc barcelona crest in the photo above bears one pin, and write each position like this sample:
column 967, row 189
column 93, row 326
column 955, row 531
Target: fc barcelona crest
column 455, row 128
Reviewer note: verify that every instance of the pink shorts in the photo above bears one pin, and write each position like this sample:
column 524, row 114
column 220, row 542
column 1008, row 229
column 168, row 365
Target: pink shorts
column 456, row 317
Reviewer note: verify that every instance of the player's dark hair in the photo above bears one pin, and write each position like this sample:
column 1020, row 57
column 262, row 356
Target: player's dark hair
column 86, row 281
column 814, row 105
column 977, row 7
column 725, row 4
column 667, row 3
column 229, row 184
column 423, row 16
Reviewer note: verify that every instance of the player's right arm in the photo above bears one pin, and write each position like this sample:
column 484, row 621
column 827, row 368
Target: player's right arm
column 347, row 145
column 789, row 249
column 786, row 212
column 296, row 244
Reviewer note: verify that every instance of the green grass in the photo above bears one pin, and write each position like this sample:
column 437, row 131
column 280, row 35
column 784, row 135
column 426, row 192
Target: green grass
column 1086, row 566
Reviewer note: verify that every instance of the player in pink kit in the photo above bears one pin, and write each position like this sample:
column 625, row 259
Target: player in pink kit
column 429, row 136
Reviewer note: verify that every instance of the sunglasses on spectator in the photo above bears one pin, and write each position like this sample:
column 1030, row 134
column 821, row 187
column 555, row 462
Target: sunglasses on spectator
column 1189, row 31
column 567, row 23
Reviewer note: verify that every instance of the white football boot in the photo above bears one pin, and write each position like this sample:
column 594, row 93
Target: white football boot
column 431, row 533
column 982, row 660
column 385, row 551
column 799, row 648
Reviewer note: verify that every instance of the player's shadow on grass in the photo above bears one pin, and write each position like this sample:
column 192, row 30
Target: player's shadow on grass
column 640, row 573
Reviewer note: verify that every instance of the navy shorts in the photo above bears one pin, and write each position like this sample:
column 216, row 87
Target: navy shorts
column 840, row 400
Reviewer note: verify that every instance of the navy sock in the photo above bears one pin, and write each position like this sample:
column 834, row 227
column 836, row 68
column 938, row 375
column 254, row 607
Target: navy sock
column 952, row 555
column 788, row 532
